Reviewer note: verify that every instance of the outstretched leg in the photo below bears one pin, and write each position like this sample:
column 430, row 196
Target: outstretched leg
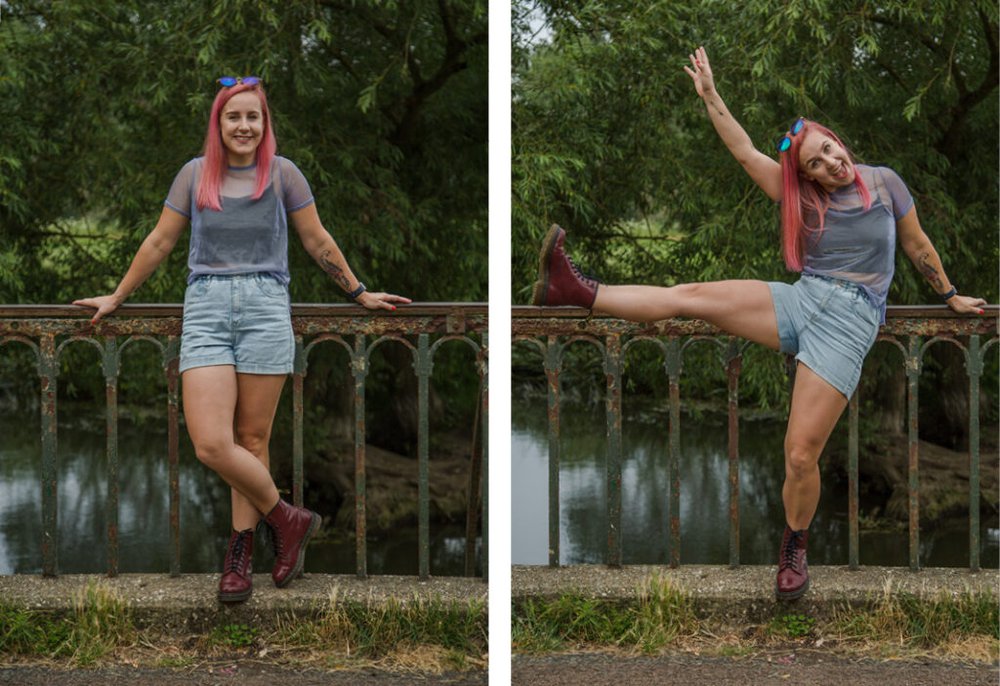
column 741, row 308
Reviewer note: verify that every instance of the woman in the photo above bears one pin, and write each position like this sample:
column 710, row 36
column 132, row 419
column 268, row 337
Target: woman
column 237, row 345
column 839, row 221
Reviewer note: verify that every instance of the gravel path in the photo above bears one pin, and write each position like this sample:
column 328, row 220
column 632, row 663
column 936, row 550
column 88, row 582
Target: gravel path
column 226, row 674
column 800, row 669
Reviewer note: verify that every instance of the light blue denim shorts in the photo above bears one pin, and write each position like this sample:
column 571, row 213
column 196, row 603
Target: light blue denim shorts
column 828, row 324
column 244, row 320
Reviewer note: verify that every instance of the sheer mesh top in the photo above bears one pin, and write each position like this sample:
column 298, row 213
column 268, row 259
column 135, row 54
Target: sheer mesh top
column 859, row 245
column 248, row 235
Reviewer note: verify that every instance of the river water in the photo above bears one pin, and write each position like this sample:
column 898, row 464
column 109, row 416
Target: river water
column 704, row 499
column 144, row 508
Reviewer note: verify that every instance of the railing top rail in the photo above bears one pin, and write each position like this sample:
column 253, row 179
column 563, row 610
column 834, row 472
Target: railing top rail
column 892, row 312
column 918, row 320
column 416, row 309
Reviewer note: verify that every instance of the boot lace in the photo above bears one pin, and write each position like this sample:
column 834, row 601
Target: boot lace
column 238, row 551
column 789, row 549
column 588, row 279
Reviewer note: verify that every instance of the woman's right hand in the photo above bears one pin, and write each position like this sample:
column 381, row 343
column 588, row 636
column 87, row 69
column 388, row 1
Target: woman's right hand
column 701, row 73
column 104, row 304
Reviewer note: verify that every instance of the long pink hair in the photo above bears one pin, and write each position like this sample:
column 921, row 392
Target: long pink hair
column 802, row 197
column 216, row 159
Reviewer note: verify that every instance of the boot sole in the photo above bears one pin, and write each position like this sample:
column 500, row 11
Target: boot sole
column 235, row 597
column 542, row 285
column 300, row 561
column 792, row 595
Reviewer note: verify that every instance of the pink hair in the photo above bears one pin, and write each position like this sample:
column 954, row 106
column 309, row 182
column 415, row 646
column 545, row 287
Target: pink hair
column 216, row 158
column 802, row 196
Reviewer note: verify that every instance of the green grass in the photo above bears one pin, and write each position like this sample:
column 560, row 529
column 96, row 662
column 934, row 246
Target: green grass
column 922, row 623
column 99, row 623
column 661, row 614
column 791, row 626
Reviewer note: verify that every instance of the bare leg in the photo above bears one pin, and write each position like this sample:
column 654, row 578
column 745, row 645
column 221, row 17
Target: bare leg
column 816, row 406
column 209, row 410
column 256, row 401
column 741, row 308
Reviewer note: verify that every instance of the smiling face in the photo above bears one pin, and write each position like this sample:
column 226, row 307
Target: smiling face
column 242, row 127
column 823, row 160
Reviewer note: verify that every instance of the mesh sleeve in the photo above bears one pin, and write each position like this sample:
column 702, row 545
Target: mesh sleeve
column 902, row 201
column 179, row 197
column 297, row 193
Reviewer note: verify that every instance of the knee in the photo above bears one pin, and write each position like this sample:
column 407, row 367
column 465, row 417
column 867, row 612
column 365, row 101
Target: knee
column 254, row 440
column 801, row 459
column 211, row 450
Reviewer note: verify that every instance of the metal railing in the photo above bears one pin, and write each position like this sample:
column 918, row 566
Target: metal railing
column 913, row 330
column 422, row 327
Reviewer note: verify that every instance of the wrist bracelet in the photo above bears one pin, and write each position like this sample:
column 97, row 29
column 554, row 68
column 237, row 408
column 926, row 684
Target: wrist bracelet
column 353, row 295
column 950, row 294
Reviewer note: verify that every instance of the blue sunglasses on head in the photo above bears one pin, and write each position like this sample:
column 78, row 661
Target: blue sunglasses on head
column 785, row 142
column 230, row 81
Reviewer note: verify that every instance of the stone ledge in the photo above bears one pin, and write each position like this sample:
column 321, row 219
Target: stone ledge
column 746, row 594
column 188, row 602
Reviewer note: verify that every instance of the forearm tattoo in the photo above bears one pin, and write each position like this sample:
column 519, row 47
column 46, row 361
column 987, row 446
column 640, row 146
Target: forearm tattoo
column 930, row 273
column 335, row 272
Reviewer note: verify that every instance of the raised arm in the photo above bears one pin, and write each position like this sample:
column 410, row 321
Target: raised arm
column 154, row 249
column 924, row 257
column 764, row 171
column 320, row 245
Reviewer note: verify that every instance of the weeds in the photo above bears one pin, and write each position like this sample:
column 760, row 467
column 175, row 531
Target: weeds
column 661, row 614
column 792, row 626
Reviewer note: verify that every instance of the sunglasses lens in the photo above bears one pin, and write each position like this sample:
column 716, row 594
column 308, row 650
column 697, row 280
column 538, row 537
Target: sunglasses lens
column 797, row 126
column 784, row 144
column 251, row 80
column 228, row 81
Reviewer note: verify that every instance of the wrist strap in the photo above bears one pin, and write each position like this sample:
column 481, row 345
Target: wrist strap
column 950, row 294
column 353, row 295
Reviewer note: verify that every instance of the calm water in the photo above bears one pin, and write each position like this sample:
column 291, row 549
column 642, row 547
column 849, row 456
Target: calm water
column 144, row 508
column 704, row 499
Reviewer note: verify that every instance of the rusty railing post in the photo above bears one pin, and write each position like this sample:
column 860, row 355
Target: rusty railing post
column 299, row 370
column 613, row 405
column 674, row 367
column 553, row 367
column 734, row 364
column 359, row 366
column 974, row 366
column 913, row 367
column 48, row 371
column 423, row 365
column 111, row 365
column 171, row 363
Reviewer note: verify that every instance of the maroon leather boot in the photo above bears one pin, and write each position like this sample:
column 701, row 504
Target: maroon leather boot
column 560, row 281
column 793, row 570
column 236, row 583
column 291, row 529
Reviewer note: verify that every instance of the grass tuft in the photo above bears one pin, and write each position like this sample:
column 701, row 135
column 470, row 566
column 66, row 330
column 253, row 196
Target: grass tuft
column 661, row 614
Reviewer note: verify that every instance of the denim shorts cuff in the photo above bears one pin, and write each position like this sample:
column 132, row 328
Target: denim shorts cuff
column 243, row 368
column 193, row 362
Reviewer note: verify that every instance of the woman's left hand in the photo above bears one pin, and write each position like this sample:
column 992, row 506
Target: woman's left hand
column 966, row 304
column 381, row 301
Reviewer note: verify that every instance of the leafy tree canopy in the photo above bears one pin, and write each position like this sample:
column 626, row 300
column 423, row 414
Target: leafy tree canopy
column 381, row 104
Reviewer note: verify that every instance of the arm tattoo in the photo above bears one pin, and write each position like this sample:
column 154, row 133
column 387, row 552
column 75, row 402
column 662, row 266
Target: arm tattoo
column 929, row 272
column 335, row 272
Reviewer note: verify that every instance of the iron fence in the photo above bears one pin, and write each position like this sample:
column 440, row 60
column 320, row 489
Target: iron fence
column 913, row 330
column 47, row 330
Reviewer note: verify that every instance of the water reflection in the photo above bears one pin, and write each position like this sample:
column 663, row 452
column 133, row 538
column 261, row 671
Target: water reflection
column 144, row 507
column 704, row 499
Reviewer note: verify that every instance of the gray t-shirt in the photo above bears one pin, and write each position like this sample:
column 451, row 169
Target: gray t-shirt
column 856, row 244
column 248, row 235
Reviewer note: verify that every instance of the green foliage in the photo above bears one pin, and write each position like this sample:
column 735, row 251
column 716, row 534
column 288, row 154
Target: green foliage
column 382, row 105
column 101, row 622
column 234, row 635
column 610, row 140
column 792, row 625
column 660, row 615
